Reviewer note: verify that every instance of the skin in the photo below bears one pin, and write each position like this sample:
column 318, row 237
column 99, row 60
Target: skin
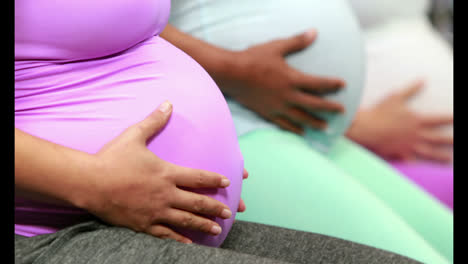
column 261, row 71
column 105, row 185
column 415, row 136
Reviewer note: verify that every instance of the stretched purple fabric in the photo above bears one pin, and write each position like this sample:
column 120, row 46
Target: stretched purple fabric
column 437, row 179
column 87, row 70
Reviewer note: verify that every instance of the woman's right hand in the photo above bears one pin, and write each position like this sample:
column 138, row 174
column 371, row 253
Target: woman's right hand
column 138, row 190
column 394, row 131
column 265, row 83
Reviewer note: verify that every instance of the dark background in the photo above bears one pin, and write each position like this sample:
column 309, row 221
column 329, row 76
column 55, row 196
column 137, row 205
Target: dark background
column 441, row 16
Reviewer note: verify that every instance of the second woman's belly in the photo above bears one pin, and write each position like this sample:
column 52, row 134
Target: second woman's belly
column 402, row 51
column 83, row 105
column 337, row 52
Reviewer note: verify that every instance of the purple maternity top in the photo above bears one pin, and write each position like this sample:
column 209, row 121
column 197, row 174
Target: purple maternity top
column 87, row 70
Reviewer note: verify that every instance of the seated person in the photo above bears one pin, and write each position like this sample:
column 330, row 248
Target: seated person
column 86, row 135
column 243, row 45
column 400, row 33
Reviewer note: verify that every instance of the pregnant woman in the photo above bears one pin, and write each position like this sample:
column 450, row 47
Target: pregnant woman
column 400, row 33
column 78, row 85
column 331, row 191
column 90, row 145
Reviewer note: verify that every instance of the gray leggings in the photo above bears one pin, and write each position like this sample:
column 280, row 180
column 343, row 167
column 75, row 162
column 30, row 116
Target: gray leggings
column 96, row 242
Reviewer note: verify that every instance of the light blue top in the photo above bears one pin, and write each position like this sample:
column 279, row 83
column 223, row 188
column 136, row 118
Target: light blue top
column 238, row 24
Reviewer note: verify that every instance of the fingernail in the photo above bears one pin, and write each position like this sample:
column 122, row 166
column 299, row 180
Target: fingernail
column 226, row 214
column 310, row 35
column 165, row 107
column 187, row 241
column 225, row 182
column 216, row 230
column 341, row 83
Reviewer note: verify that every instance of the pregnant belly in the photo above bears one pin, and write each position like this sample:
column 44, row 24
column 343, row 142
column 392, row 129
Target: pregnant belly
column 419, row 52
column 83, row 105
column 338, row 50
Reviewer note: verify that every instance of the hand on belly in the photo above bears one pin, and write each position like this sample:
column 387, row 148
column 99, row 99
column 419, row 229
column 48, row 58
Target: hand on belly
column 140, row 191
column 288, row 96
column 392, row 130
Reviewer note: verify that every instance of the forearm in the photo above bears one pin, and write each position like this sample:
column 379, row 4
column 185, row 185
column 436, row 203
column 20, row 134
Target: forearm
column 222, row 65
column 48, row 172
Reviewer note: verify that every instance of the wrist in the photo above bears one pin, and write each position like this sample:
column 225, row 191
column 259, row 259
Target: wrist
column 84, row 190
column 358, row 131
column 231, row 69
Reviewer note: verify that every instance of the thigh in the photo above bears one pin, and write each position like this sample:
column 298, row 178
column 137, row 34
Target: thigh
column 433, row 177
column 302, row 247
column 93, row 242
column 293, row 186
column 421, row 211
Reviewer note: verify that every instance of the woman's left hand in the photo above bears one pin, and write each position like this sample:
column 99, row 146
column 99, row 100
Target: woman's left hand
column 393, row 131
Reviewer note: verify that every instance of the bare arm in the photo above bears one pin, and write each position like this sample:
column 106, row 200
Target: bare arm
column 49, row 172
column 261, row 73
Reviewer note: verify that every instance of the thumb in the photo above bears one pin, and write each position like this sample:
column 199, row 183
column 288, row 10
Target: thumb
column 413, row 89
column 154, row 122
column 298, row 42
